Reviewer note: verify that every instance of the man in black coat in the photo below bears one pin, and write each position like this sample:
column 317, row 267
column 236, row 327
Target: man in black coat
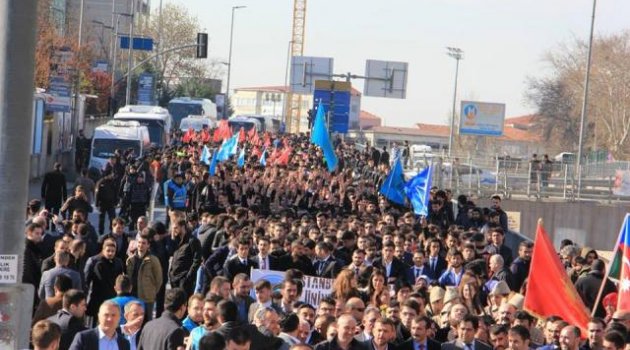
column 239, row 263
column 106, row 199
column 326, row 265
column 108, row 318
column 70, row 317
column 588, row 287
column 419, row 327
column 227, row 314
column 54, row 190
column 391, row 265
column 165, row 332
column 186, row 258
column 32, row 262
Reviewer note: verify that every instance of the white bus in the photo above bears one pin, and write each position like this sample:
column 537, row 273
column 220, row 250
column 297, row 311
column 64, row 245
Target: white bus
column 156, row 119
column 182, row 107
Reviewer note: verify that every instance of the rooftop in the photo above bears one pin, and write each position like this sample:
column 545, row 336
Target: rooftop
column 368, row 116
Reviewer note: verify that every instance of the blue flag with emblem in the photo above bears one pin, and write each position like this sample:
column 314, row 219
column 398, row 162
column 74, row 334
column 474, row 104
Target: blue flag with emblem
column 228, row 148
column 205, row 156
column 263, row 158
column 241, row 158
column 393, row 188
column 213, row 164
column 418, row 190
column 319, row 137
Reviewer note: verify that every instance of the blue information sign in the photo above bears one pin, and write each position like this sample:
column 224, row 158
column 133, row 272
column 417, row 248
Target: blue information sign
column 340, row 100
column 145, row 89
column 143, row 44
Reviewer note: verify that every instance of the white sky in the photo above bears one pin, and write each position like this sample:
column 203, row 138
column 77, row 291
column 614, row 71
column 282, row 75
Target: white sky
column 503, row 41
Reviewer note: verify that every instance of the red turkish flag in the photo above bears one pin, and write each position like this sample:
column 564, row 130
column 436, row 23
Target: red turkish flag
column 549, row 288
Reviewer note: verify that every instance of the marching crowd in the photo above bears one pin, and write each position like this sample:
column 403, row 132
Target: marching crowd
column 400, row 281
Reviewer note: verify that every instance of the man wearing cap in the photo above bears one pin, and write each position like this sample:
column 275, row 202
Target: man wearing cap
column 588, row 287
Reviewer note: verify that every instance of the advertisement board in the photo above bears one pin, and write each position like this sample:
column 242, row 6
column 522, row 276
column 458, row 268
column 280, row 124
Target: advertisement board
column 481, row 118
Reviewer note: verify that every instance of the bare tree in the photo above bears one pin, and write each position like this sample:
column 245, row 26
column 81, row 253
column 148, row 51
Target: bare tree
column 558, row 96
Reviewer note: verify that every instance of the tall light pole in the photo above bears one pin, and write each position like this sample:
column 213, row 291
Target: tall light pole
column 457, row 54
column 130, row 57
column 229, row 64
column 585, row 102
column 286, row 84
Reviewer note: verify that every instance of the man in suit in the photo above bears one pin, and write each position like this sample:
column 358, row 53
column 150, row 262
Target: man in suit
column 289, row 330
column 384, row 332
column 419, row 339
column 242, row 286
column 263, row 259
column 240, row 263
column 418, row 269
column 326, row 265
column 346, row 326
column 435, row 263
column 104, row 336
column 390, row 264
column 466, row 336
column 453, row 275
column 46, row 285
column 165, row 332
column 70, row 317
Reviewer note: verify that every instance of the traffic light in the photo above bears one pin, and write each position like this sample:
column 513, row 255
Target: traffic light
column 202, row 45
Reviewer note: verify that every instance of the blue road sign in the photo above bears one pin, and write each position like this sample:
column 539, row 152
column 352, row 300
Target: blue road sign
column 340, row 116
column 60, row 92
column 146, row 84
column 142, row 44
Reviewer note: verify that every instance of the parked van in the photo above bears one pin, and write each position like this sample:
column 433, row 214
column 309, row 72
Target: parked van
column 245, row 122
column 182, row 107
column 157, row 120
column 114, row 135
column 267, row 122
column 196, row 122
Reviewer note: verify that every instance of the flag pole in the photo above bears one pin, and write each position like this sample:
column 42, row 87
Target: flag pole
column 608, row 268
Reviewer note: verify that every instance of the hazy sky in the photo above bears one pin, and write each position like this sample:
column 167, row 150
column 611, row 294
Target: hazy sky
column 504, row 42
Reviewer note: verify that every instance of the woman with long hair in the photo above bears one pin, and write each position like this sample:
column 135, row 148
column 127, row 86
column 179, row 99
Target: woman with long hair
column 469, row 294
column 377, row 288
column 345, row 286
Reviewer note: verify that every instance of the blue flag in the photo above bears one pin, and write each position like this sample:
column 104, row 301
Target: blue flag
column 319, row 137
column 241, row 158
column 228, row 148
column 394, row 185
column 263, row 158
column 418, row 190
column 205, row 156
column 213, row 164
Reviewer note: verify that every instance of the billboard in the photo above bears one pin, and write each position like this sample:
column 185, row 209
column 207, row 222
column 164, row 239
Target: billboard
column 146, row 88
column 481, row 118
column 335, row 94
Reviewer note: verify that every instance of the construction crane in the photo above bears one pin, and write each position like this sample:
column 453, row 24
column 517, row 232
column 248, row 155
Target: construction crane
column 294, row 101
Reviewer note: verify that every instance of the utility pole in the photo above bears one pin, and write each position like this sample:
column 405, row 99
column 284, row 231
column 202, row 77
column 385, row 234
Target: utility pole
column 585, row 102
column 130, row 58
column 227, row 85
column 17, row 62
column 457, row 54
column 74, row 121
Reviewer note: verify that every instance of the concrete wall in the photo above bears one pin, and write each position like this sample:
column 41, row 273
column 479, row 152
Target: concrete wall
column 586, row 223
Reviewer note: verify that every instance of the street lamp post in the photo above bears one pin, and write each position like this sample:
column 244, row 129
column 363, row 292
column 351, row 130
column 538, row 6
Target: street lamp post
column 229, row 64
column 457, row 54
column 585, row 102
column 130, row 57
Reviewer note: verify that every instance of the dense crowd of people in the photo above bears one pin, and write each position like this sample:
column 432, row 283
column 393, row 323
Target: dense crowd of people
column 400, row 281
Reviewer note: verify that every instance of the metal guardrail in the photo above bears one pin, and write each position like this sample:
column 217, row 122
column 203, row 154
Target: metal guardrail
column 518, row 178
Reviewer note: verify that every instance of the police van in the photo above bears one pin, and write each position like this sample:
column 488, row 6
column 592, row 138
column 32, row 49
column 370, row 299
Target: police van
column 115, row 135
